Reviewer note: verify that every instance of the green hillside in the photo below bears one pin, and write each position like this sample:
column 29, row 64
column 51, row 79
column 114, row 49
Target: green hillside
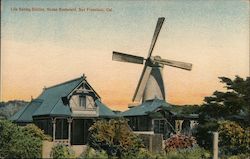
column 7, row 109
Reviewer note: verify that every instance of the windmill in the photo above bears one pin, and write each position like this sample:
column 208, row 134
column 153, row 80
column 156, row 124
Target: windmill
column 150, row 85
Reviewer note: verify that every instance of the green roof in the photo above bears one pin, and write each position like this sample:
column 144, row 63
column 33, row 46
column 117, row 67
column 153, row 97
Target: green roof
column 52, row 99
column 25, row 114
column 104, row 111
column 146, row 107
column 16, row 116
column 50, row 103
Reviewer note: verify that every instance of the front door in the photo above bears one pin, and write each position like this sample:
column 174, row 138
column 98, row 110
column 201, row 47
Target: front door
column 80, row 131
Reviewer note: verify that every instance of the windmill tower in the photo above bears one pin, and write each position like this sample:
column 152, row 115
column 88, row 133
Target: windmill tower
column 150, row 85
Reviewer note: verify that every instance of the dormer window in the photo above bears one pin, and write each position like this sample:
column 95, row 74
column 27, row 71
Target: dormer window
column 82, row 101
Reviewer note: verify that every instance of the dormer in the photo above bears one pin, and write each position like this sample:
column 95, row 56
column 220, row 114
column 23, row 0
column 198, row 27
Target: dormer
column 82, row 100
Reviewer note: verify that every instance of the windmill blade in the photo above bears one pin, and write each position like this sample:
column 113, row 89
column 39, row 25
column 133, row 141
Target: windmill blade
column 182, row 65
column 156, row 33
column 142, row 83
column 117, row 56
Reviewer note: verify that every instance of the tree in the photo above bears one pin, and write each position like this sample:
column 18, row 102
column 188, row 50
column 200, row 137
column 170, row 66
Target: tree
column 16, row 143
column 35, row 131
column 231, row 105
column 233, row 138
column 114, row 137
column 234, row 104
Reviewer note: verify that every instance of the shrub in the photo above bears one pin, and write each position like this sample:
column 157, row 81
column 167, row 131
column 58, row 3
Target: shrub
column 62, row 151
column 233, row 139
column 179, row 141
column 15, row 143
column 7, row 133
column 240, row 156
column 145, row 154
column 188, row 153
column 114, row 137
column 36, row 132
column 92, row 153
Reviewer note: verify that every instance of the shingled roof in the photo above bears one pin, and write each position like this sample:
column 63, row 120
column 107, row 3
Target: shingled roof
column 52, row 99
column 50, row 103
column 25, row 114
column 146, row 107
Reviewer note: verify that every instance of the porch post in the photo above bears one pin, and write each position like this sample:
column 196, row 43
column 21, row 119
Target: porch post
column 69, row 131
column 181, row 122
column 54, row 128
column 152, row 125
column 178, row 125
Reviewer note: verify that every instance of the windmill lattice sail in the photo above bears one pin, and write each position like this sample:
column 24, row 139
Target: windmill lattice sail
column 150, row 84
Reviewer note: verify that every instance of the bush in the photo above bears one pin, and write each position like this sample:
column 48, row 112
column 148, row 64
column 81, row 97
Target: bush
column 233, row 139
column 240, row 156
column 92, row 153
column 15, row 143
column 62, row 151
column 145, row 154
column 188, row 153
column 32, row 129
column 179, row 141
column 114, row 137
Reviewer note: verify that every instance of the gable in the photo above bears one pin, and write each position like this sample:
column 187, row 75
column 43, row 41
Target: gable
column 52, row 98
column 83, row 91
column 146, row 108
column 93, row 106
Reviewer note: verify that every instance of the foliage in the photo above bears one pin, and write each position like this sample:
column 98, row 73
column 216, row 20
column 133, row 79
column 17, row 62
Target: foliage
column 179, row 141
column 188, row 153
column 145, row 154
column 204, row 133
column 36, row 132
column 7, row 109
column 62, row 151
column 233, row 138
column 240, row 156
column 114, row 137
column 92, row 153
column 234, row 104
column 15, row 143
column 185, row 109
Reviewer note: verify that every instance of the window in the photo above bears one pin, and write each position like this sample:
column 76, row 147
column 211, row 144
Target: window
column 159, row 126
column 82, row 101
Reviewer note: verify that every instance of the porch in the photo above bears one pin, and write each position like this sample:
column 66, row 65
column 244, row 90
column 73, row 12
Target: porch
column 69, row 131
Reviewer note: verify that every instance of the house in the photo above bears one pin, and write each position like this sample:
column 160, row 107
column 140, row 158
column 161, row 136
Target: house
column 65, row 111
column 159, row 117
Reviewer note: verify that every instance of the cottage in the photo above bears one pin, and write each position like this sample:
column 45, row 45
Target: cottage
column 65, row 111
column 159, row 117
